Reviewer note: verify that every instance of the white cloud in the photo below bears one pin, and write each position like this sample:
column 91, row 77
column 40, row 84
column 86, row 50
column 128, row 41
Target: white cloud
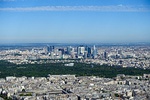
column 7, row 0
column 118, row 8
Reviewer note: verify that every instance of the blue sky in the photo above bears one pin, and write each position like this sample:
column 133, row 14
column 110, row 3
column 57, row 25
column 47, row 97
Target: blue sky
column 74, row 21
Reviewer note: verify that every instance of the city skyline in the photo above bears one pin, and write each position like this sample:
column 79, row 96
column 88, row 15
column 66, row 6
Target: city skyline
column 80, row 21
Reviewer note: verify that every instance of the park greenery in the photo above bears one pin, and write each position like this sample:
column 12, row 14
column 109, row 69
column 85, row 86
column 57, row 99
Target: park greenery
column 25, row 94
column 4, row 97
column 79, row 69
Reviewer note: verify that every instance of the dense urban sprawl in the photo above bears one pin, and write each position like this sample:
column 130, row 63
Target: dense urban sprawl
column 72, row 87
column 124, row 56
column 69, row 87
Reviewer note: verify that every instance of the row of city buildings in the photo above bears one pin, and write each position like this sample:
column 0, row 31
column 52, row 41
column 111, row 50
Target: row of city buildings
column 125, row 56
column 78, row 52
column 70, row 87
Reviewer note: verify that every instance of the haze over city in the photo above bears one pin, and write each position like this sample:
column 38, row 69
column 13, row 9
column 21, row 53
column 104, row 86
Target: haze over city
column 74, row 21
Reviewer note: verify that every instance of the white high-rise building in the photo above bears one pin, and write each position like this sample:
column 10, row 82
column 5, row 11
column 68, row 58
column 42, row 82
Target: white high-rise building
column 81, row 50
column 94, row 52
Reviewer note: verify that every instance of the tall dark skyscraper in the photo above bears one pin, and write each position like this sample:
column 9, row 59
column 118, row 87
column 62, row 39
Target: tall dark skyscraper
column 49, row 48
column 89, row 52
column 52, row 48
column 69, row 49
column 105, row 55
